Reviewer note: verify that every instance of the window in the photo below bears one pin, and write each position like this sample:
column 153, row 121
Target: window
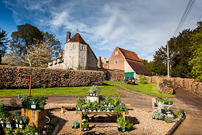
column 116, row 53
column 83, row 48
column 73, row 47
column 116, row 62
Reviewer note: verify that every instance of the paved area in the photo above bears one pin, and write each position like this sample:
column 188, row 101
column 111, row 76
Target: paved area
column 184, row 100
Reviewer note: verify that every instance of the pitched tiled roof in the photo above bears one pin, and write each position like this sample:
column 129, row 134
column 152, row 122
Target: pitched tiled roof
column 138, row 67
column 77, row 38
column 130, row 55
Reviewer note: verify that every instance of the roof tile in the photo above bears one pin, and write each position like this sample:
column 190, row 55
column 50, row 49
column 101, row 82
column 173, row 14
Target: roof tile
column 138, row 67
column 130, row 55
column 77, row 38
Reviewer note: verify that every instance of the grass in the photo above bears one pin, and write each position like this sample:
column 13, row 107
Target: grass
column 108, row 87
column 59, row 91
column 149, row 89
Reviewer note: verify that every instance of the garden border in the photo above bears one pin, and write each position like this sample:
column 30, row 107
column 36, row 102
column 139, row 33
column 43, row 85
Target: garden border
column 173, row 129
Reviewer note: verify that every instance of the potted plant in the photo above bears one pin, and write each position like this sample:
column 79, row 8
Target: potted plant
column 168, row 119
column 158, row 116
column 94, row 106
column 10, row 123
column 117, row 109
column 117, row 100
column 107, row 99
column 2, row 122
column 34, row 102
column 129, row 126
column 24, row 99
column 75, row 124
column 121, row 123
column 92, row 91
column 79, row 104
column 41, row 102
column 85, row 126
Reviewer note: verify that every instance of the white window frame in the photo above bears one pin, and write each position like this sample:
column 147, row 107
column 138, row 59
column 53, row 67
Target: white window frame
column 116, row 62
column 116, row 53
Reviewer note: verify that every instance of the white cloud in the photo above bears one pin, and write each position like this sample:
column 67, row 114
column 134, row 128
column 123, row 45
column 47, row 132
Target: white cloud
column 139, row 26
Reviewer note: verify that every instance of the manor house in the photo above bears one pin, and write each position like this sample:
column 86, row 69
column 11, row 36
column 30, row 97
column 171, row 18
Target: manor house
column 76, row 55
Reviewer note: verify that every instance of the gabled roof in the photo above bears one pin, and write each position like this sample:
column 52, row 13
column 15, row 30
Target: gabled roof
column 130, row 55
column 138, row 67
column 77, row 38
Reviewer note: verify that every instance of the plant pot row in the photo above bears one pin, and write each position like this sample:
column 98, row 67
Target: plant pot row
column 32, row 106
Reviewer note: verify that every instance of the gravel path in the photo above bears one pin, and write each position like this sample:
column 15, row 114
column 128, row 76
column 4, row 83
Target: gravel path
column 141, row 117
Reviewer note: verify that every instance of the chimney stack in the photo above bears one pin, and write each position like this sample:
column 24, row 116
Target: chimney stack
column 61, row 52
column 68, row 36
column 99, row 62
column 105, row 60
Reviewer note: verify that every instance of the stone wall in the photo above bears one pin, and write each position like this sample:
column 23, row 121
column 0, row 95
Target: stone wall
column 18, row 77
column 91, row 60
column 174, row 82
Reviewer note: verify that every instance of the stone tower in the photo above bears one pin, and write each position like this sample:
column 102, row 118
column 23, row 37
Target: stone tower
column 77, row 54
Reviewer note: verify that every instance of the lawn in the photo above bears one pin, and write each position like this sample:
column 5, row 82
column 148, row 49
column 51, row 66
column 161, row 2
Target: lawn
column 149, row 89
column 108, row 87
column 59, row 91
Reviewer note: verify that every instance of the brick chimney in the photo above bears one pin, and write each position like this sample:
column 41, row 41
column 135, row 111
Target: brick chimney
column 99, row 62
column 68, row 36
column 61, row 53
column 105, row 60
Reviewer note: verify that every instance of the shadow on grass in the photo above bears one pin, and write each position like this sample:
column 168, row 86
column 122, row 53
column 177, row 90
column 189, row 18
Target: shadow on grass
column 105, row 84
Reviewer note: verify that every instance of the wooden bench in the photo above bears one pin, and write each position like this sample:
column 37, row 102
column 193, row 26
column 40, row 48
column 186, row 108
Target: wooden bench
column 63, row 106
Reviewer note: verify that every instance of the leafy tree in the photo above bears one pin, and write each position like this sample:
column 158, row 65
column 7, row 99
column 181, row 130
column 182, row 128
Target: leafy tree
column 12, row 59
column 149, row 65
column 160, row 61
column 39, row 55
column 3, row 41
column 53, row 43
column 196, row 48
column 180, row 54
column 27, row 36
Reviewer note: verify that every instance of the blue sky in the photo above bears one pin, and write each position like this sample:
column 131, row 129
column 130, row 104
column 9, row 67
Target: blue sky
column 135, row 25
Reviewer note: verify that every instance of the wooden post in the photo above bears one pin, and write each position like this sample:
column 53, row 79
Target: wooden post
column 124, row 116
column 168, row 60
column 30, row 82
column 80, row 119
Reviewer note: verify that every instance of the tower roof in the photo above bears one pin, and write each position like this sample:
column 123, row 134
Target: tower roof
column 77, row 38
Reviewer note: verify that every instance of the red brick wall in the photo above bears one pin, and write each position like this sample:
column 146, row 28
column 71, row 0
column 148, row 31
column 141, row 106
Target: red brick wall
column 118, row 57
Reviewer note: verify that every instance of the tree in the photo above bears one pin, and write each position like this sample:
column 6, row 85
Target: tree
column 12, row 59
column 149, row 66
column 39, row 55
column 3, row 42
column 196, row 48
column 53, row 43
column 159, row 62
column 27, row 35
column 179, row 49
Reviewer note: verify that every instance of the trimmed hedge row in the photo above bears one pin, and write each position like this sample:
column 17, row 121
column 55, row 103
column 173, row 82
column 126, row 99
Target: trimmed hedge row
column 18, row 77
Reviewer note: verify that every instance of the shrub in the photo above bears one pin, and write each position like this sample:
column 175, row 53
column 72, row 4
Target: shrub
column 143, row 79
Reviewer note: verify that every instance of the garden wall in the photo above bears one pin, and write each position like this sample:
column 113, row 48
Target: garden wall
column 18, row 77
column 188, row 84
